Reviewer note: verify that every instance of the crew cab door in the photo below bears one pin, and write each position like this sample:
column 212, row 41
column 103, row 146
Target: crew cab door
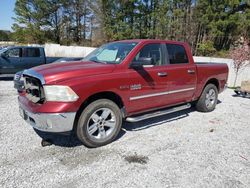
column 181, row 74
column 10, row 61
column 32, row 57
column 146, row 83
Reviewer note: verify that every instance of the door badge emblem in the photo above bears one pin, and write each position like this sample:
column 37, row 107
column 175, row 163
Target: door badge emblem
column 135, row 87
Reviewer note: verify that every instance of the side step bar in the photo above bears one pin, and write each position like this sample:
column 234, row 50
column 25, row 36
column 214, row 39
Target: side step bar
column 158, row 113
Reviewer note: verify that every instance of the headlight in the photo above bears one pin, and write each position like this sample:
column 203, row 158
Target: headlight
column 59, row 93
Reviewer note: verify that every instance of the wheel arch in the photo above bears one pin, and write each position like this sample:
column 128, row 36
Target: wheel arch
column 200, row 104
column 202, row 87
column 213, row 81
column 101, row 95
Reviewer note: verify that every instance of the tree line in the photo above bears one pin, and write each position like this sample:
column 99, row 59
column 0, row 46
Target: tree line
column 209, row 26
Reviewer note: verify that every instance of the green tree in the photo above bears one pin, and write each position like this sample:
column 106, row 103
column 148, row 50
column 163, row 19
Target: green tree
column 28, row 27
column 221, row 22
column 4, row 35
column 77, row 15
column 208, row 26
column 206, row 48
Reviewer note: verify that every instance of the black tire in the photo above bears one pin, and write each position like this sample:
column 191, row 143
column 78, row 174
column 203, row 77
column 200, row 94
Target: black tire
column 201, row 104
column 83, row 127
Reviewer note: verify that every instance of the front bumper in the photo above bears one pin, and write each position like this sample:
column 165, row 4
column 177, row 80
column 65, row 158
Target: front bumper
column 49, row 122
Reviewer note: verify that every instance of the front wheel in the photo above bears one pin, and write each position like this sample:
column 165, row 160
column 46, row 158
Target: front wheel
column 208, row 99
column 99, row 123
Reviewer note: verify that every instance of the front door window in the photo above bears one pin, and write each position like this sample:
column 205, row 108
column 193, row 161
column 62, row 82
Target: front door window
column 150, row 53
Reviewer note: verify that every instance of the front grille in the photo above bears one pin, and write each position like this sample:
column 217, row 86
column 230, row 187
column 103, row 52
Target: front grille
column 34, row 89
column 17, row 77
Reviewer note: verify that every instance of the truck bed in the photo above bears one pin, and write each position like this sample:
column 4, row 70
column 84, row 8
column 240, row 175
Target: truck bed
column 206, row 71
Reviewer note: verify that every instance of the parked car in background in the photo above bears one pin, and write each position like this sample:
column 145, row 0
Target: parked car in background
column 18, row 58
column 68, row 59
column 132, row 80
column 4, row 47
column 18, row 79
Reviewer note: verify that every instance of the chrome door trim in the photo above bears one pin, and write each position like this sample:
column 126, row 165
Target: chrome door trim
column 160, row 93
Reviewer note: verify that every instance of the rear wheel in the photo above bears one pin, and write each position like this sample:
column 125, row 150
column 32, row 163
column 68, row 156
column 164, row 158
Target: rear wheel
column 99, row 123
column 208, row 99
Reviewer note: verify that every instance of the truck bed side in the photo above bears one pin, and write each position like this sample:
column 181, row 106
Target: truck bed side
column 211, row 72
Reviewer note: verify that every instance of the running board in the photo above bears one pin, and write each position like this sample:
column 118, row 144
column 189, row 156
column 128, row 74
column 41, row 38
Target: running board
column 158, row 113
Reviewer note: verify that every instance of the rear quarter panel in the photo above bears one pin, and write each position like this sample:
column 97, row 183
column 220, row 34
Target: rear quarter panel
column 208, row 71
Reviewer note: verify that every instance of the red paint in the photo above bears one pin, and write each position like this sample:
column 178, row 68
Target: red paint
column 89, row 78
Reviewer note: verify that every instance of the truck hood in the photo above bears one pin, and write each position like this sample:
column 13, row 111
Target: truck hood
column 57, row 72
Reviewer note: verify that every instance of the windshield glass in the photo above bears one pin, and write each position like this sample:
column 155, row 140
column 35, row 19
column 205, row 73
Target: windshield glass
column 3, row 50
column 113, row 53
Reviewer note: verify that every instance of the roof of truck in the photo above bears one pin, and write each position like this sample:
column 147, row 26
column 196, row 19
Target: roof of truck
column 151, row 40
column 24, row 47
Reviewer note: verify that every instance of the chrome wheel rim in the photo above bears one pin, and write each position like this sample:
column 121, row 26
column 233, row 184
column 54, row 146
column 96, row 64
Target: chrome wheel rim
column 210, row 98
column 101, row 124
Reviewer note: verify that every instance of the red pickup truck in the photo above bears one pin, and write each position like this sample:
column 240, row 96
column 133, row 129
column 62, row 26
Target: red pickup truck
column 128, row 80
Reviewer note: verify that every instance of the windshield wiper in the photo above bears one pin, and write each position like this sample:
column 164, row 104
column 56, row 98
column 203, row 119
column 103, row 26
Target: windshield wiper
column 103, row 62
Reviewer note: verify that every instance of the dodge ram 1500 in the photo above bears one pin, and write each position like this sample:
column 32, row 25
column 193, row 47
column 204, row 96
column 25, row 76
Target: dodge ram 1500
column 131, row 80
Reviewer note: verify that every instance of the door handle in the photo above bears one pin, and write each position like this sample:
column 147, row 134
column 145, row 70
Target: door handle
column 190, row 71
column 162, row 74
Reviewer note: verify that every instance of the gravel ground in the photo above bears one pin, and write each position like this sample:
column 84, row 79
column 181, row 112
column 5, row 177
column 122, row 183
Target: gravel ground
column 184, row 149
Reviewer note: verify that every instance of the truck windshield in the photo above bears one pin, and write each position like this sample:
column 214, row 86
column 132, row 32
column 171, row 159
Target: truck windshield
column 114, row 52
column 3, row 50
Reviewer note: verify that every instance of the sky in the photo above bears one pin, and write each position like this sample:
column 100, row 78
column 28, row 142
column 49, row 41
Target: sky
column 6, row 14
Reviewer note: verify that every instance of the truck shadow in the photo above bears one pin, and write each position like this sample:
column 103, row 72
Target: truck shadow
column 71, row 140
column 63, row 140
column 156, row 121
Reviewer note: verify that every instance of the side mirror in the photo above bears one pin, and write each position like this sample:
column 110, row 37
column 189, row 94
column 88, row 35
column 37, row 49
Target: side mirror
column 136, row 65
column 140, row 62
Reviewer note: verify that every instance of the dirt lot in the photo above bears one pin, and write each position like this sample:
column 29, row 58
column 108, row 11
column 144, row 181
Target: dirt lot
column 185, row 149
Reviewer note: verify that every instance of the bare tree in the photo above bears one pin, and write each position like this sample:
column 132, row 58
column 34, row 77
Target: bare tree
column 241, row 58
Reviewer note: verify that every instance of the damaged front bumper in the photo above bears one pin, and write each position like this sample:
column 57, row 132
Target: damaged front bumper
column 49, row 122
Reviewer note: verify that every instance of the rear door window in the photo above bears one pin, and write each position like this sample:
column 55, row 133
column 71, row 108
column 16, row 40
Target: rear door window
column 176, row 54
column 31, row 52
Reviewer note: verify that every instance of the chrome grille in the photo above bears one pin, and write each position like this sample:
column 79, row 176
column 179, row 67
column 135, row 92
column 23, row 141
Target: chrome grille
column 17, row 76
column 33, row 88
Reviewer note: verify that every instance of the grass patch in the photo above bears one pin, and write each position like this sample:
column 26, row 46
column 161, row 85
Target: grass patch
column 233, row 87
